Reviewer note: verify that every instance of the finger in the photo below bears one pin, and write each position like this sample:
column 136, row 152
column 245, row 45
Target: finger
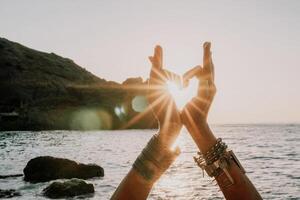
column 212, row 69
column 206, row 61
column 172, row 77
column 194, row 72
column 156, row 77
column 158, row 56
column 155, row 72
column 168, row 74
column 151, row 59
column 206, row 54
column 178, row 80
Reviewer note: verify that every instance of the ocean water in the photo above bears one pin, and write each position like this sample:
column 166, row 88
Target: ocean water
column 269, row 153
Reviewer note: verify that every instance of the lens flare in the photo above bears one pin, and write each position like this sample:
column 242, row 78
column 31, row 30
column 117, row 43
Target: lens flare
column 139, row 103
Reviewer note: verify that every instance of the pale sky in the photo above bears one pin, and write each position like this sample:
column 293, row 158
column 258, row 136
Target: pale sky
column 255, row 45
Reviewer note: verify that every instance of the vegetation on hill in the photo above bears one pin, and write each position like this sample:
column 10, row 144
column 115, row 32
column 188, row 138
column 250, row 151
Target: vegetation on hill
column 45, row 91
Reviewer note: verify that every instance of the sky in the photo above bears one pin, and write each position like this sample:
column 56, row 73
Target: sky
column 255, row 45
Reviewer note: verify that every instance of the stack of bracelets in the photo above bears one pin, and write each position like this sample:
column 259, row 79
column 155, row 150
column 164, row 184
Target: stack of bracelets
column 217, row 160
column 154, row 159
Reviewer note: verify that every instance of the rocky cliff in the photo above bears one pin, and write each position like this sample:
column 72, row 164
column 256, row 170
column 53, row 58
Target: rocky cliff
column 45, row 91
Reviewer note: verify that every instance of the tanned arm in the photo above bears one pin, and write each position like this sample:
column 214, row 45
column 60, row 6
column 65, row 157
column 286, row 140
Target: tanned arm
column 157, row 156
column 194, row 117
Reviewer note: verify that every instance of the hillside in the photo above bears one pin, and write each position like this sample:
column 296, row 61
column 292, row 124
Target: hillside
column 46, row 91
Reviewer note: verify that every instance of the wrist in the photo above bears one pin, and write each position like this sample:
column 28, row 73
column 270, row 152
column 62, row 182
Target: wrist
column 168, row 134
column 154, row 160
column 203, row 136
column 148, row 174
column 141, row 179
column 170, row 127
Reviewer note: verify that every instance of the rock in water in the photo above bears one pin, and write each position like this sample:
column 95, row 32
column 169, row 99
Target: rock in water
column 69, row 188
column 46, row 168
column 9, row 193
column 10, row 176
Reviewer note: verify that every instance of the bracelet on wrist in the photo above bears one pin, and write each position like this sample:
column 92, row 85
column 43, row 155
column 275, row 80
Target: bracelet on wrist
column 217, row 161
column 154, row 159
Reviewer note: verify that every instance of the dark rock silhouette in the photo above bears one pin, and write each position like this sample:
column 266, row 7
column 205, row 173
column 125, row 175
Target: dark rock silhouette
column 44, row 91
column 9, row 193
column 46, row 168
column 69, row 188
column 10, row 176
column 133, row 81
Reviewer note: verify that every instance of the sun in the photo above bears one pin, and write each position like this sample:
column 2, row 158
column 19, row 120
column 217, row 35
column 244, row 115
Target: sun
column 182, row 95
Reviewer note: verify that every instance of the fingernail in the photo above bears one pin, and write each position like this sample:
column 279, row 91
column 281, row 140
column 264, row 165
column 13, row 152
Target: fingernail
column 207, row 45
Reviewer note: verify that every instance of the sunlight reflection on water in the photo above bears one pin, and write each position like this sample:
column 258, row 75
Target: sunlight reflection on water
column 264, row 151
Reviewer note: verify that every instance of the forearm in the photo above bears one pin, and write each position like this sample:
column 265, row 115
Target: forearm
column 202, row 136
column 133, row 186
column 241, row 188
column 153, row 161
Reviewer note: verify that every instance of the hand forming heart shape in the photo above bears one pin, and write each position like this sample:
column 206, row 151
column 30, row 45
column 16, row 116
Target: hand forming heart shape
column 166, row 93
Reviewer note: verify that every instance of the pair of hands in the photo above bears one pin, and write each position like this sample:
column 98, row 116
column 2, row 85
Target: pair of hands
column 195, row 112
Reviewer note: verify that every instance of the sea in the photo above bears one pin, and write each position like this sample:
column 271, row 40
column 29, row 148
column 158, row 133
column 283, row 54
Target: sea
column 270, row 154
